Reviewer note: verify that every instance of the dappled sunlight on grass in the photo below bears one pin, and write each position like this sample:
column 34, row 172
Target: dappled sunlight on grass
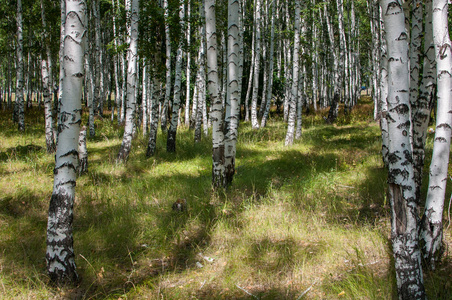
column 313, row 214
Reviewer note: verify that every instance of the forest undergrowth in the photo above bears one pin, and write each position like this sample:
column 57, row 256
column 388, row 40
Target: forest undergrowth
column 310, row 221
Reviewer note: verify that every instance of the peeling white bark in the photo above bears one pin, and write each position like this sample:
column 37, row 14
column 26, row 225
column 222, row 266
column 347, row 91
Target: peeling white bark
column 432, row 225
column 60, row 253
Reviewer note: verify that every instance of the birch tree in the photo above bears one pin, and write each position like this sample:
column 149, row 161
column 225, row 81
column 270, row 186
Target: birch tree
column 432, row 224
column 404, row 207
column 60, row 253
column 257, row 60
column 164, row 118
column 270, row 67
column 295, row 70
column 171, row 137
column 132, row 32
column 233, row 100
column 201, row 80
column 422, row 106
column 20, row 104
column 50, row 140
column 216, row 113
column 188, row 70
column 46, row 73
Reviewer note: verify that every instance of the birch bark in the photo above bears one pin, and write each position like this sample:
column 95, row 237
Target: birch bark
column 233, row 107
column 171, row 137
column 257, row 60
column 164, row 118
column 20, row 104
column 270, row 67
column 423, row 105
column 432, row 224
column 188, row 70
column 46, row 73
column 50, row 140
column 126, row 145
column 212, row 87
column 404, row 207
column 60, row 253
column 295, row 69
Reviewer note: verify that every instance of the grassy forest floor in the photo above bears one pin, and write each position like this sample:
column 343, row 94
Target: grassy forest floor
column 312, row 218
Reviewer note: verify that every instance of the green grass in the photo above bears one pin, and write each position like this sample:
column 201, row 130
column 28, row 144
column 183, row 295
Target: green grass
column 311, row 215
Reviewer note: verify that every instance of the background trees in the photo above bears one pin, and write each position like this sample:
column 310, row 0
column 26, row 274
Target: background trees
column 288, row 57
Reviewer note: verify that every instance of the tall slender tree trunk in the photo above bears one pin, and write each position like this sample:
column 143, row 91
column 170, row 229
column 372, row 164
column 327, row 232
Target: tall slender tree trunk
column 270, row 67
column 133, row 16
column 200, row 117
column 295, row 70
column 188, row 70
column 257, row 65
column 100, row 90
column 421, row 110
column 46, row 71
column 382, row 101
column 171, row 137
column 50, row 140
column 212, row 87
column 164, row 118
column 404, row 207
column 432, row 221
column 250, row 79
column 60, row 253
column 154, row 120
column 20, row 70
column 115, row 66
column 233, row 100
column 332, row 114
column 144, row 99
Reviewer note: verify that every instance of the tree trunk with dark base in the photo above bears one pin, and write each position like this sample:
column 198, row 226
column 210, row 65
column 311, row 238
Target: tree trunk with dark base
column 432, row 222
column 404, row 205
column 132, row 54
column 212, row 87
column 60, row 253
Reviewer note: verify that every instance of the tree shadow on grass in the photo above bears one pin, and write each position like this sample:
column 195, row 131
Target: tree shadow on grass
column 21, row 152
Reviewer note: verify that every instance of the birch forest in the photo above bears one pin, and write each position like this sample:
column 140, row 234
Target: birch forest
column 225, row 149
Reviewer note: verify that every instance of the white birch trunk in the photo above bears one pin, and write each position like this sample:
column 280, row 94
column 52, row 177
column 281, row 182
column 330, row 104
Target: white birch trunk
column 99, row 89
column 201, row 118
column 144, row 100
column 46, row 73
column 212, row 87
column 332, row 114
column 250, row 79
column 295, row 69
column 82, row 152
column 270, row 68
column 50, row 140
column 423, row 107
column 343, row 59
column 90, row 81
column 382, row 101
column 257, row 60
column 172, row 131
column 154, row 120
column 188, row 70
column 404, row 207
column 116, row 67
column 126, row 145
column 60, row 253
column 164, row 117
column 432, row 225
column 233, row 100
column 20, row 104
